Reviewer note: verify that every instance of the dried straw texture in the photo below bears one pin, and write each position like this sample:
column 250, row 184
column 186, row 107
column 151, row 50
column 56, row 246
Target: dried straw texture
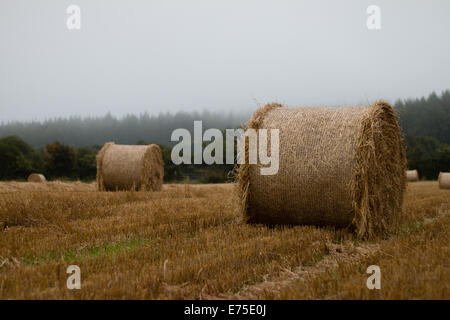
column 340, row 166
column 125, row 167
column 412, row 175
column 444, row 180
column 36, row 177
column 48, row 186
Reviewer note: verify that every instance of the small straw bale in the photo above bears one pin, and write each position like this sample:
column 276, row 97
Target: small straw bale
column 338, row 166
column 412, row 175
column 444, row 180
column 129, row 167
column 36, row 177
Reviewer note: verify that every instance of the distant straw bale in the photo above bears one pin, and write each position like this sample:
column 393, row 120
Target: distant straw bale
column 412, row 175
column 129, row 167
column 339, row 166
column 36, row 177
column 444, row 180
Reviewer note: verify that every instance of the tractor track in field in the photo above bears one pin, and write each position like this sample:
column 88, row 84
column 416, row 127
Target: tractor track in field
column 336, row 255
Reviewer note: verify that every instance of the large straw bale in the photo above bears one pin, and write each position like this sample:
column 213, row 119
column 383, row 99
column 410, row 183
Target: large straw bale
column 339, row 166
column 412, row 175
column 129, row 167
column 444, row 180
column 36, row 177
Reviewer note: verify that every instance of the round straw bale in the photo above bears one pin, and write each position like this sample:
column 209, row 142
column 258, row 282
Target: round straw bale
column 444, row 180
column 412, row 175
column 129, row 167
column 339, row 166
column 36, row 177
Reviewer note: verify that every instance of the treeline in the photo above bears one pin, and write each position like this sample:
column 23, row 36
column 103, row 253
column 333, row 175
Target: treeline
column 66, row 148
column 79, row 132
column 59, row 161
column 426, row 117
column 18, row 159
column 426, row 124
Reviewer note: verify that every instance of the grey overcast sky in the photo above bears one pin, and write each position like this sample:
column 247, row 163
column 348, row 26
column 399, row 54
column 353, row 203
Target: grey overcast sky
column 132, row 56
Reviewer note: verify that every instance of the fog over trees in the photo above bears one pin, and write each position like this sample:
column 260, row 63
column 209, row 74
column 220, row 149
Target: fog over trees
column 77, row 131
column 31, row 146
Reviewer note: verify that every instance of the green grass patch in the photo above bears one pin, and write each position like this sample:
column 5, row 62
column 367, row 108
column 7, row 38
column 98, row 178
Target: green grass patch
column 92, row 252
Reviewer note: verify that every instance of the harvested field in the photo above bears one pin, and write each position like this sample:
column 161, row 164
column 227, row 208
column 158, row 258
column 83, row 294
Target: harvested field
column 48, row 186
column 188, row 242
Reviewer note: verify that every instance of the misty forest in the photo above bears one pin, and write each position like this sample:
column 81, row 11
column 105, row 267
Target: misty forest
column 65, row 148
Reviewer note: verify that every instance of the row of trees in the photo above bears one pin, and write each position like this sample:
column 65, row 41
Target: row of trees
column 425, row 122
column 80, row 132
column 428, row 155
column 426, row 116
column 18, row 159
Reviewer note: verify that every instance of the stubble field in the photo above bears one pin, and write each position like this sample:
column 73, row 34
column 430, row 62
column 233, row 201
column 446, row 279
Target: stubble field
column 188, row 242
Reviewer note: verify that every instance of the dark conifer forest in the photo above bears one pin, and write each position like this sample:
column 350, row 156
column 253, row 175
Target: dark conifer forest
column 66, row 147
